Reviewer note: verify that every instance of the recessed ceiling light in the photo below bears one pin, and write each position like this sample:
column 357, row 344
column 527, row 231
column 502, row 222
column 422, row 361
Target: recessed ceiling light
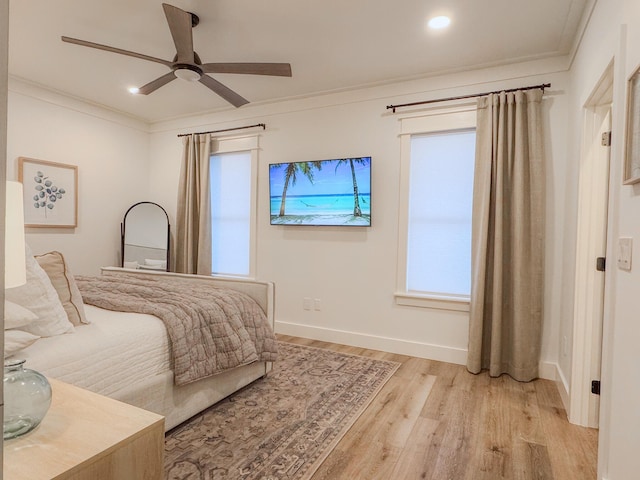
column 134, row 90
column 440, row 22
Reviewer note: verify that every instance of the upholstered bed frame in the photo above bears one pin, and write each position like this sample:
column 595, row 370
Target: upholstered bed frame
column 179, row 403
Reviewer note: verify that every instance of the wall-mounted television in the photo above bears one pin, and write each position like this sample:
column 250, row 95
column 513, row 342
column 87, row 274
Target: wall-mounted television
column 333, row 192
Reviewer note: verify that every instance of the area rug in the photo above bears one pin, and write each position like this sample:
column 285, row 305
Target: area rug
column 281, row 427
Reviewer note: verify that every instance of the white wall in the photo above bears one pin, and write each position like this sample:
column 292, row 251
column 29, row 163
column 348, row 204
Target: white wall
column 353, row 271
column 111, row 152
column 614, row 33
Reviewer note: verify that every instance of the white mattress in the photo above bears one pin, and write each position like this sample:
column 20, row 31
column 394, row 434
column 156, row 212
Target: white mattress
column 115, row 351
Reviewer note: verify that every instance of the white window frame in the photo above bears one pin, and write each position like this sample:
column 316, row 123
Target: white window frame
column 440, row 120
column 237, row 144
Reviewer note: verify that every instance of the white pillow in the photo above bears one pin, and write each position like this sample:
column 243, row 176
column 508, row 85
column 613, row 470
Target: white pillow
column 16, row 340
column 62, row 280
column 16, row 315
column 39, row 296
column 152, row 261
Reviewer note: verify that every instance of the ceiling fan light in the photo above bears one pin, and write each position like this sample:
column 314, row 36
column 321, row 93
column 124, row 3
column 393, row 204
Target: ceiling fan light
column 134, row 90
column 187, row 74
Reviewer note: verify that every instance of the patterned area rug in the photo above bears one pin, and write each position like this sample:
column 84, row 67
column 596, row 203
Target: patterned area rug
column 281, row 427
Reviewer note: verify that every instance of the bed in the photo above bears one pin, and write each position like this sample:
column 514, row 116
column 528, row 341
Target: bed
column 127, row 356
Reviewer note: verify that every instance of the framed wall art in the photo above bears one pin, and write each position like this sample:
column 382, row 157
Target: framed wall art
column 632, row 138
column 50, row 192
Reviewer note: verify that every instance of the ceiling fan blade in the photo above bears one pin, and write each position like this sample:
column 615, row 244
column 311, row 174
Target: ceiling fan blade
column 275, row 69
column 156, row 84
column 225, row 92
column 107, row 48
column 181, row 30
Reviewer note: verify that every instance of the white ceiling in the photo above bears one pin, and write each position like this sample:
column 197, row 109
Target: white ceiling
column 331, row 45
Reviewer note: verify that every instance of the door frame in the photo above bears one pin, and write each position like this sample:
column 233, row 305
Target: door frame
column 588, row 316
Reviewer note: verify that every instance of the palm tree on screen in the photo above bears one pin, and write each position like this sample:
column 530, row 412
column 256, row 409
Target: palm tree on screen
column 357, row 212
column 291, row 176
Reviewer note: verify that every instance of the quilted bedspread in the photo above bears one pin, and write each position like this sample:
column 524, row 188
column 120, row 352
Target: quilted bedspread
column 211, row 329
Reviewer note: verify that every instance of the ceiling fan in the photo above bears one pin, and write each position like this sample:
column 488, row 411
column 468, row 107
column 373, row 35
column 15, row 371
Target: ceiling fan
column 186, row 63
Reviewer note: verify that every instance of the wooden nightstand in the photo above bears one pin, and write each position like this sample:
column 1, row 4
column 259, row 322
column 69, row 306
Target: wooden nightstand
column 87, row 436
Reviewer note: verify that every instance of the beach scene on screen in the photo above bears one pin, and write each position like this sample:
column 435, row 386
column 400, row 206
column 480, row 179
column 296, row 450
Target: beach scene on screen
column 322, row 192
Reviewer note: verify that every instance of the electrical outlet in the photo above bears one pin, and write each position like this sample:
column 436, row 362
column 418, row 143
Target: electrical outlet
column 317, row 304
column 306, row 303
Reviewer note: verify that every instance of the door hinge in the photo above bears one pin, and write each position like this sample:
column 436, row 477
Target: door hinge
column 601, row 263
column 606, row 139
column 595, row 387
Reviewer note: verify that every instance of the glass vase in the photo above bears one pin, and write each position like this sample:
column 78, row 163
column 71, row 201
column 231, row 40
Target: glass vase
column 27, row 397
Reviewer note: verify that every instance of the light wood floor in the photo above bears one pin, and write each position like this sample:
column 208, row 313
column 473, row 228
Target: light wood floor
column 436, row 421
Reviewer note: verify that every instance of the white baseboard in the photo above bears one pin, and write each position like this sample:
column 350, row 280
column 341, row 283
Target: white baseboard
column 563, row 388
column 551, row 371
column 373, row 342
column 548, row 370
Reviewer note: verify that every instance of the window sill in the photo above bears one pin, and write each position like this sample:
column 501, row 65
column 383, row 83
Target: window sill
column 441, row 302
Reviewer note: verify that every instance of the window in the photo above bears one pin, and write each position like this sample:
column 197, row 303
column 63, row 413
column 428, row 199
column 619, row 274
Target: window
column 438, row 157
column 233, row 199
column 440, row 203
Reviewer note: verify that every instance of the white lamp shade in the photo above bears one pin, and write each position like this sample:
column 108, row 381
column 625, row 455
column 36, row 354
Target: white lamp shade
column 15, row 273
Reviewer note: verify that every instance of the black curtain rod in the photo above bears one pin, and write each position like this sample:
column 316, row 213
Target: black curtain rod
column 224, row 130
column 461, row 97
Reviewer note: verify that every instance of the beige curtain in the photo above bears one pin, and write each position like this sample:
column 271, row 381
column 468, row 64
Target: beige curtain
column 193, row 235
column 507, row 236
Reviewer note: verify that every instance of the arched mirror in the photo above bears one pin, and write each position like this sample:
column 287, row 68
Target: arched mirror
column 146, row 237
